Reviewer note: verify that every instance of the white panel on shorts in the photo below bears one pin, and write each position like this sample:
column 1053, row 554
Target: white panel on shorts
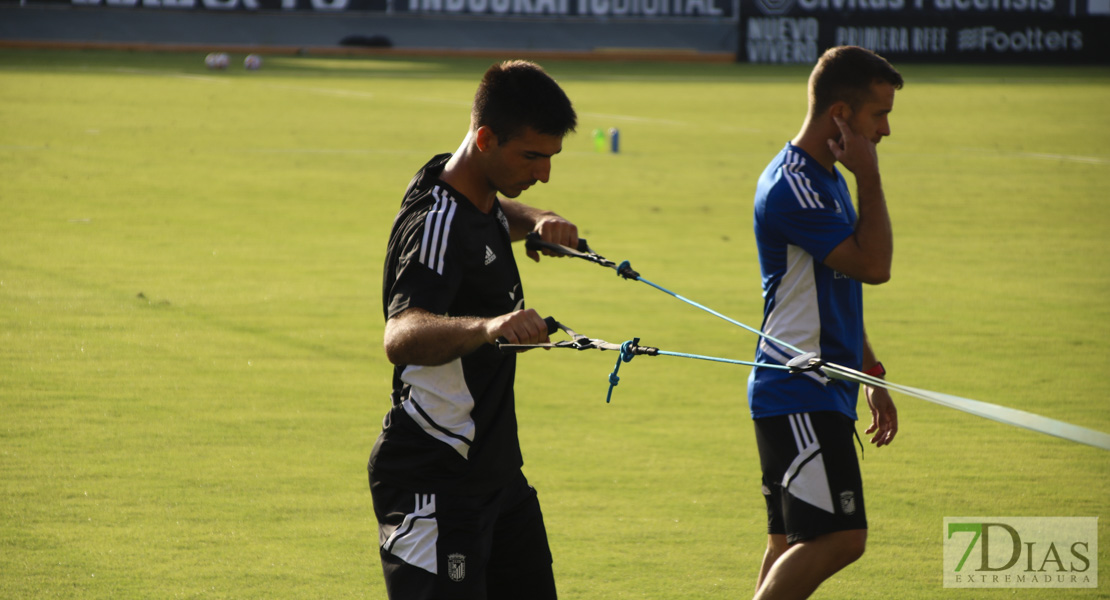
column 806, row 479
column 414, row 541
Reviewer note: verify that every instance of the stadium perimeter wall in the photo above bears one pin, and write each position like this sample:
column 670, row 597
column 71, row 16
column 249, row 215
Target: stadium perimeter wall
column 758, row 31
column 410, row 34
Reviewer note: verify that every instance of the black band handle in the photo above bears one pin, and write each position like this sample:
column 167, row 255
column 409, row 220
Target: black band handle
column 552, row 327
column 533, row 241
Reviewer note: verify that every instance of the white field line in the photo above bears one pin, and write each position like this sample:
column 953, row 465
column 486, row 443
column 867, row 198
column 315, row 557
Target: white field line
column 349, row 151
column 171, row 74
column 635, row 119
column 439, row 101
column 1066, row 157
column 1090, row 160
column 224, row 80
column 339, row 92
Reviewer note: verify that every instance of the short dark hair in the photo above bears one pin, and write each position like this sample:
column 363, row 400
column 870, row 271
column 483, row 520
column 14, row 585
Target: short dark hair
column 516, row 94
column 846, row 74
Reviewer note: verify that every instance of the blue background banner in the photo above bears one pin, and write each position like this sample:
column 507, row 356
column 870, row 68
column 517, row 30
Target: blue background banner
column 943, row 31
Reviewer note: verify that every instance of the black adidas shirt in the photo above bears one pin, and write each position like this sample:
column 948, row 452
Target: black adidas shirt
column 452, row 428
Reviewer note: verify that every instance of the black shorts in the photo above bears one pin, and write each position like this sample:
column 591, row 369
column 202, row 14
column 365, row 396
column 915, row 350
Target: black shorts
column 482, row 547
column 811, row 476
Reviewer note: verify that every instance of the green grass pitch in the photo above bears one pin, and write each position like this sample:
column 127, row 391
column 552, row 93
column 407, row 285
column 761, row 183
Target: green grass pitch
column 191, row 374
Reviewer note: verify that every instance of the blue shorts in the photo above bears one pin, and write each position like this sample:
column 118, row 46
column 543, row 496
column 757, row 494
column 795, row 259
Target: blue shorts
column 811, row 476
column 454, row 547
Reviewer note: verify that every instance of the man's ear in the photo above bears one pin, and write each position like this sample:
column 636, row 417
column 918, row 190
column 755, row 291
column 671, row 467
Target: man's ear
column 841, row 109
column 484, row 138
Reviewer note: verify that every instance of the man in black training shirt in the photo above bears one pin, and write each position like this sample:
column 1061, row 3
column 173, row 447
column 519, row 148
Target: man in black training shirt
column 456, row 517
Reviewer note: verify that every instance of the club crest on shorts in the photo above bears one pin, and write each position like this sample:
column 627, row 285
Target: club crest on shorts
column 848, row 502
column 456, row 567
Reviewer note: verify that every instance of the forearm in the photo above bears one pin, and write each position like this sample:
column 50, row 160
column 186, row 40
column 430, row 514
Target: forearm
column 552, row 228
column 870, row 359
column 884, row 415
column 867, row 254
column 417, row 337
column 874, row 233
column 522, row 218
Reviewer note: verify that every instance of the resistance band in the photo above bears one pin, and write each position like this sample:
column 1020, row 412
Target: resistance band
column 804, row 361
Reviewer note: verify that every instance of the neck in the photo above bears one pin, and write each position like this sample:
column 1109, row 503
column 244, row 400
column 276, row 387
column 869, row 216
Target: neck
column 814, row 139
column 462, row 173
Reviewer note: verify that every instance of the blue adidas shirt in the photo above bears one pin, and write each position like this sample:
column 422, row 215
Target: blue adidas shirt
column 803, row 212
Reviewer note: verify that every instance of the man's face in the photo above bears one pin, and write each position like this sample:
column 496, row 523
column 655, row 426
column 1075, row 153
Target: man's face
column 870, row 120
column 517, row 164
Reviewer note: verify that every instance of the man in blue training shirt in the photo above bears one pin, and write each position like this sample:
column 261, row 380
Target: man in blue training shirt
column 815, row 252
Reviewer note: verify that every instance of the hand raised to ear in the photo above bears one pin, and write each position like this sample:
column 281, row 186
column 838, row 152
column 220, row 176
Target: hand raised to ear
column 854, row 151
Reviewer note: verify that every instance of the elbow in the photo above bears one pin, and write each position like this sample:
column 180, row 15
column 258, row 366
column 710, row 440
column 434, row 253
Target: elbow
column 392, row 353
column 878, row 277
column 878, row 271
column 394, row 344
column 873, row 274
